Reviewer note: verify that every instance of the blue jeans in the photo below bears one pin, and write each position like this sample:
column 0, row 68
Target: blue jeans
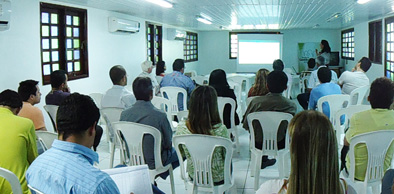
column 387, row 181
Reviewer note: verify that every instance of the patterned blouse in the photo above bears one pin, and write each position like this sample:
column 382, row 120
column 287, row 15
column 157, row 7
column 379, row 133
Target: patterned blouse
column 218, row 154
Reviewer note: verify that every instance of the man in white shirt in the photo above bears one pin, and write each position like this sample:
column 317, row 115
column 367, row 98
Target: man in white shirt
column 356, row 78
column 147, row 67
column 118, row 96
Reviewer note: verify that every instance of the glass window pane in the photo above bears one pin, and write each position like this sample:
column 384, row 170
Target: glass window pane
column 55, row 56
column 54, row 31
column 44, row 18
column 53, row 18
column 45, row 43
column 69, row 55
column 76, row 43
column 69, row 43
column 76, row 54
column 69, row 67
column 77, row 66
column 54, row 43
column 55, row 67
column 76, row 21
column 68, row 20
column 45, row 30
column 47, row 69
column 76, row 32
column 45, row 56
column 69, row 32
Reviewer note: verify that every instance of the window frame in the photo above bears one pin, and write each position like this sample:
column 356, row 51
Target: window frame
column 375, row 41
column 151, row 43
column 351, row 42
column 389, row 64
column 62, row 12
column 190, row 47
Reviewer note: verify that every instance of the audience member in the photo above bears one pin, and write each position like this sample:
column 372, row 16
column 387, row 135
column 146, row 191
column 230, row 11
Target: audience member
column 177, row 79
column 60, row 89
column 204, row 119
column 145, row 113
column 311, row 64
column 387, row 182
column 273, row 101
column 380, row 117
column 324, row 89
column 356, row 78
column 259, row 87
column 67, row 167
column 325, row 51
column 218, row 81
column 147, row 67
column 314, row 159
column 279, row 66
column 160, row 68
column 118, row 96
column 17, row 140
column 31, row 95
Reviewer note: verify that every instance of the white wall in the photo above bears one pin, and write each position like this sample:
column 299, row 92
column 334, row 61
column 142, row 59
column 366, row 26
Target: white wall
column 214, row 47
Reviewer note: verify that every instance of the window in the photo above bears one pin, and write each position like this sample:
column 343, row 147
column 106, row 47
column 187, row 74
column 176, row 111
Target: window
column 389, row 51
column 348, row 44
column 63, row 41
column 233, row 45
column 154, row 42
column 375, row 41
column 190, row 49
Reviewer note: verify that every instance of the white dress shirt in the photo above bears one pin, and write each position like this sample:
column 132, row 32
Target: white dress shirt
column 118, row 96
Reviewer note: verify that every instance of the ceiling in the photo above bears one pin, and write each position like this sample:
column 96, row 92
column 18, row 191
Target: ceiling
column 235, row 14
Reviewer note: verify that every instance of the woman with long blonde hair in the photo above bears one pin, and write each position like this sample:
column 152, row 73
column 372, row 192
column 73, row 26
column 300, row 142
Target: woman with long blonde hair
column 259, row 87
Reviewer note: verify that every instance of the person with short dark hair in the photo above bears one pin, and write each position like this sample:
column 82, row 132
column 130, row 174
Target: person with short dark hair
column 278, row 65
column 380, row 117
column 273, row 101
column 31, row 95
column 350, row 80
column 160, row 68
column 67, row 167
column 144, row 112
column 60, row 89
column 177, row 79
column 118, row 96
column 311, row 64
column 17, row 140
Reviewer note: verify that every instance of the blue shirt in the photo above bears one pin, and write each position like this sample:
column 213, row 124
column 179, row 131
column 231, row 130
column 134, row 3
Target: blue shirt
column 68, row 168
column 177, row 79
column 321, row 90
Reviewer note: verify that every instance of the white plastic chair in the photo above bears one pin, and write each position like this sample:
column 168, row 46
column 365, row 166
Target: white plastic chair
column 201, row 155
column 34, row 190
column 200, row 80
column 97, row 97
column 269, row 122
column 377, row 144
column 110, row 116
column 172, row 95
column 287, row 92
column 357, row 95
column 12, row 179
column 222, row 102
column 132, row 143
column 52, row 112
column 304, row 82
column 182, row 115
column 335, row 102
column 165, row 105
column 238, row 94
column 46, row 138
column 348, row 112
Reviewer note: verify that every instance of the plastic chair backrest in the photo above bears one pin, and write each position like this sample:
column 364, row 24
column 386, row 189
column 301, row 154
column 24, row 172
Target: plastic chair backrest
column 269, row 122
column 182, row 115
column 163, row 104
column 201, row 156
column 12, row 179
column 191, row 73
column 172, row 95
column 304, row 82
column 335, row 102
column 34, row 190
column 52, row 112
column 200, row 80
column 377, row 143
column 110, row 116
column 287, row 92
column 249, row 99
column 241, row 80
column 97, row 97
column 357, row 95
column 222, row 102
column 131, row 135
column 46, row 138
column 159, row 78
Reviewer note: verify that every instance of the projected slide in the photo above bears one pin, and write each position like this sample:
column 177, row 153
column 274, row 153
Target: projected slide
column 258, row 52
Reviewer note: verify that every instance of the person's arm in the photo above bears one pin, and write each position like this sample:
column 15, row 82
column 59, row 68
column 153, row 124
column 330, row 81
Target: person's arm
column 39, row 122
column 31, row 145
column 128, row 100
column 166, row 132
column 107, row 186
column 190, row 86
column 351, row 132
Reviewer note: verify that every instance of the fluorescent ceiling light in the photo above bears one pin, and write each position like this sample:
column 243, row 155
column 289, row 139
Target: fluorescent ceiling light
column 162, row 3
column 362, row 1
column 203, row 20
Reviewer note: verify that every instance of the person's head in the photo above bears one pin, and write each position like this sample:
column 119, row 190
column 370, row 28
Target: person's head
column 11, row 100
column 364, row 64
column 76, row 119
column 381, row 93
column 218, row 78
column 278, row 65
column 311, row 63
column 118, row 75
column 314, row 155
column 160, row 67
column 320, row 61
column 203, row 110
column 178, row 65
column 29, row 91
column 59, row 79
column 325, row 47
column 324, row 75
column 142, row 88
column 147, row 66
column 277, row 81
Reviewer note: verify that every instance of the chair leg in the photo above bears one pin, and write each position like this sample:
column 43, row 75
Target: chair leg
column 112, row 153
column 257, row 172
column 172, row 180
column 252, row 163
column 236, row 138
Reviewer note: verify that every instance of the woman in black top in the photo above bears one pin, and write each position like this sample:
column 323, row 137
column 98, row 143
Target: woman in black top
column 218, row 80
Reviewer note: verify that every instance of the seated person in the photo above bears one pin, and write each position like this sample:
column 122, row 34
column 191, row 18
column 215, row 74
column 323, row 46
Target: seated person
column 160, row 68
column 273, row 101
column 314, row 159
column 259, row 87
column 31, row 95
column 279, row 66
column 311, row 64
column 118, row 96
column 387, row 182
column 17, row 140
column 350, row 80
column 325, row 88
column 145, row 113
column 147, row 67
column 380, row 117
column 203, row 108
column 218, row 81
column 177, row 79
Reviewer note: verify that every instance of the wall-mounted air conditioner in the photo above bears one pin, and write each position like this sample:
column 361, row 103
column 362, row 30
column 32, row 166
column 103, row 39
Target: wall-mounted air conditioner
column 122, row 25
column 175, row 34
column 5, row 14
